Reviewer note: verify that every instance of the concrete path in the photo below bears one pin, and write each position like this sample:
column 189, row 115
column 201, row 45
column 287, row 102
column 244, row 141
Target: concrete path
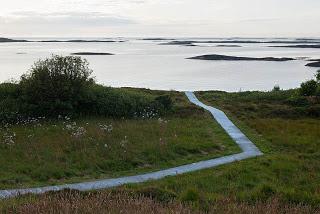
column 249, row 150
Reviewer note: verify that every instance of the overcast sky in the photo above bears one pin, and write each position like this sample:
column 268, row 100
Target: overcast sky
column 205, row 18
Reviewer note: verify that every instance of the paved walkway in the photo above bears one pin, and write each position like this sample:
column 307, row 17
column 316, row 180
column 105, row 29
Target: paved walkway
column 249, row 150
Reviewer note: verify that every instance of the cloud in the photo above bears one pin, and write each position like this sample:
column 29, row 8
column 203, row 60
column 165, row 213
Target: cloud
column 28, row 23
column 66, row 18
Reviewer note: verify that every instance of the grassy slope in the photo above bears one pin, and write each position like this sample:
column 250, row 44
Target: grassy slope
column 51, row 152
column 290, row 168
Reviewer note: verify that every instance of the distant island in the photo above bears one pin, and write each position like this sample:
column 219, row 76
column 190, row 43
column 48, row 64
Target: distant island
column 155, row 39
column 315, row 63
column 79, row 40
column 235, row 58
column 2, row 40
column 11, row 40
column 296, row 46
column 200, row 42
column 188, row 42
column 91, row 53
column 229, row 46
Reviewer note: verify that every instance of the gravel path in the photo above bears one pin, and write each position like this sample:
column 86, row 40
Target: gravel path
column 249, row 150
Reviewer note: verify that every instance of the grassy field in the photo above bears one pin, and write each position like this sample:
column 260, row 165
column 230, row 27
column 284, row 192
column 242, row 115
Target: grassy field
column 40, row 152
column 290, row 139
column 285, row 180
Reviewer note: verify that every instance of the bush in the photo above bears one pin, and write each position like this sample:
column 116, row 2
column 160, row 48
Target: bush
column 308, row 88
column 56, row 85
column 9, row 105
column 106, row 101
column 63, row 86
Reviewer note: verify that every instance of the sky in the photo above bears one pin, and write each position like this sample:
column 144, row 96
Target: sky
column 160, row 18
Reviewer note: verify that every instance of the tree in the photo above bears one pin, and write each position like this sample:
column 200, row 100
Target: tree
column 56, row 85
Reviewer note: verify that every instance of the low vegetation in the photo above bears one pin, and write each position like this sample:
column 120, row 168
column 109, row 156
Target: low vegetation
column 284, row 124
column 40, row 152
column 68, row 129
column 285, row 180
column 139, row 203
column 63, row 86
column 311, row 87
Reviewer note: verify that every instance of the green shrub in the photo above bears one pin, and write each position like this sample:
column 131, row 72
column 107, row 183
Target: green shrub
column 56, row 85
column 112, row 102
column 308, row 88
column 63, row 86
column 8, row 90
column 9, row 103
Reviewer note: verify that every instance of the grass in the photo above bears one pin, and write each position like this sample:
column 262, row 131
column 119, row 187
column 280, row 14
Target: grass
column 286, row 179
column 290, row 167
column 128, row 202
column 42, row 152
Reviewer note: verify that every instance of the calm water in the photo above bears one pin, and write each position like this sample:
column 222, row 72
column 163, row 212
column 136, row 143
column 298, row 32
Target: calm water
column 146, row 64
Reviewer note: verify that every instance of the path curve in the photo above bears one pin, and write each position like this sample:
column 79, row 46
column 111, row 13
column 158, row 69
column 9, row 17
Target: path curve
column 249, row 150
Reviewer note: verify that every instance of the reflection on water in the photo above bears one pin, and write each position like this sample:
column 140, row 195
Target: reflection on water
column 146, row 64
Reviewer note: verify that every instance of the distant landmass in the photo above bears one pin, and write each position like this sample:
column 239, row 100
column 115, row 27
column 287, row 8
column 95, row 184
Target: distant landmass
column 79, row 40
column 199, row 42
column 188, row 42
column 2, row 39
column 156, row 39
column 11, row 40
column 315, row 64
column 235, row 58
column 229, row 46
column 296, row 46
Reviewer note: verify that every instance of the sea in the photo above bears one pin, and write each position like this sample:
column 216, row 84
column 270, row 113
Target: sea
column 151, row 63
